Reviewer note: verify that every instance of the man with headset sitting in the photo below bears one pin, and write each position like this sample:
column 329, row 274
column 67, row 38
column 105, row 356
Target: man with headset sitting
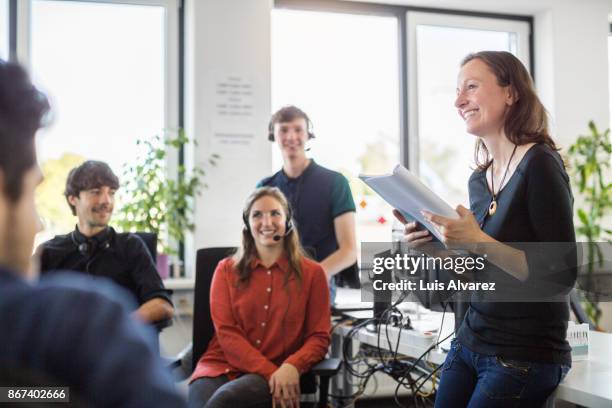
column 95, row 248
column 321, row 199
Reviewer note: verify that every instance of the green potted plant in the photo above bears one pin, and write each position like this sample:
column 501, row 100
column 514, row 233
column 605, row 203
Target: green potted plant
column 590, row 158
column 154, row 202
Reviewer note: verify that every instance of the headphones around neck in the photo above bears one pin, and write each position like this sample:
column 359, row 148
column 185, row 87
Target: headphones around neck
column 288, row 222
column 309, row 130
column 88, row 246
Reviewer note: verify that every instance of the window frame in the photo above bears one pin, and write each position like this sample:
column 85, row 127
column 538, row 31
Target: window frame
column 11, row 17
column 171, row 44
column 451, row 20
column 407, row 82
column 174, row 41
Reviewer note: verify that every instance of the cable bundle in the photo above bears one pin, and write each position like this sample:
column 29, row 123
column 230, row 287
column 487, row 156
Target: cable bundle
column 387, row 359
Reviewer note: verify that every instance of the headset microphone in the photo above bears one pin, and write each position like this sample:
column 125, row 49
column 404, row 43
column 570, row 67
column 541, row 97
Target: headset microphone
column 276, row 238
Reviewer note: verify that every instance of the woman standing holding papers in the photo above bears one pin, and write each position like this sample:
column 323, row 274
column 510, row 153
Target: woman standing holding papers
column 270, row 308
column 506, row 354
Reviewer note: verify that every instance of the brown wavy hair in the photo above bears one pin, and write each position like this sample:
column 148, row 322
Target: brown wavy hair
column 248, row 251
column 527, row 120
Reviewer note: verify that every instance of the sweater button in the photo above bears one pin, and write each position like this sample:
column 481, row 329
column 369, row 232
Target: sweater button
column 258, row 342
column 266, row 307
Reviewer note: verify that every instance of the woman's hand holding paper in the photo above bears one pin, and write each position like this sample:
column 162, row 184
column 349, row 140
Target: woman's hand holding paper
column 464, row 230
column 413, row 236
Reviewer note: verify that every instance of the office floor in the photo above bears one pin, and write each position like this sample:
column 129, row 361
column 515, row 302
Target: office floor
column 386, row 403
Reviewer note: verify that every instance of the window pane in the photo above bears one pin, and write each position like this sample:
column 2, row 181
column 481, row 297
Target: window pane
column 610, row 74
column 4, row 29
column 445, row 149
column 344, row 74
column 103, row 67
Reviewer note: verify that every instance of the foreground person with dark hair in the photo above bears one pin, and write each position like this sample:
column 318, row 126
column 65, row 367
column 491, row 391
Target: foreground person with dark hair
column 60, row 331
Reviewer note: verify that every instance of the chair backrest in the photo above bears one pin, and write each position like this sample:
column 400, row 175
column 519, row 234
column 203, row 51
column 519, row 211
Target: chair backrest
column 203, row 328
column 578, row 310
column 349, row 277
column 150, row 240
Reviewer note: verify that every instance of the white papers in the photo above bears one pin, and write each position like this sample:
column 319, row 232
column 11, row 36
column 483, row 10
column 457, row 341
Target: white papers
column 405, row 192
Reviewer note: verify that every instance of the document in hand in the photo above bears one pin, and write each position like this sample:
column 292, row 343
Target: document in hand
column 405, row 192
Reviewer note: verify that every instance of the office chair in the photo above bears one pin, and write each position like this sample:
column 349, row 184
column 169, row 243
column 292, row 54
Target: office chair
column 204, row 329
column 349, row 277
column 150, row 240
column 578, row 310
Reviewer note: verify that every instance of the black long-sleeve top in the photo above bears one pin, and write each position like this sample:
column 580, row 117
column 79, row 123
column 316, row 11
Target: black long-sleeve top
column 534, row 206
column 121, row 257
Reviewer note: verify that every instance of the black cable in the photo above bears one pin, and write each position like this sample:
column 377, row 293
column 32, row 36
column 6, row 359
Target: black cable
column 442, row 323
column 371, row 369
column 407, row 372
column 390, row 363
column 348, row 340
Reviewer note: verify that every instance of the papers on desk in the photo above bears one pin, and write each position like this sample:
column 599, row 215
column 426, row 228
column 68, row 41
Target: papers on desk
column 404, row 191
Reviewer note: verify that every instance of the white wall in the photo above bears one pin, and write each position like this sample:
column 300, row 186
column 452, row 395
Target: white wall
column 226, row 38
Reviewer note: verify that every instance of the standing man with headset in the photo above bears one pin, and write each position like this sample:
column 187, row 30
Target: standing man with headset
column 96, row 249
column 321, row 199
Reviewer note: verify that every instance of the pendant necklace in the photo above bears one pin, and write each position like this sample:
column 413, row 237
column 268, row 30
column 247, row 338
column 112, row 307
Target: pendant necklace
column 493, row 205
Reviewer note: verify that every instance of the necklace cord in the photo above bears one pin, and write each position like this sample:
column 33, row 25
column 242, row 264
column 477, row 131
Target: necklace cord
column 501, row 184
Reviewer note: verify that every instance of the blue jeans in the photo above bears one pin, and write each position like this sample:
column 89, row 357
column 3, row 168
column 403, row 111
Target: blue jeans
column 475, row 380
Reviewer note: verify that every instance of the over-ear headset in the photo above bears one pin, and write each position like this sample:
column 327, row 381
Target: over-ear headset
column 87, row 246
column 288, row 224
column 309, row 130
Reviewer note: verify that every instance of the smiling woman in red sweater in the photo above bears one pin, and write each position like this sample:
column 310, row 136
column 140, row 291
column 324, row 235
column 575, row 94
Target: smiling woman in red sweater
column 270, row 307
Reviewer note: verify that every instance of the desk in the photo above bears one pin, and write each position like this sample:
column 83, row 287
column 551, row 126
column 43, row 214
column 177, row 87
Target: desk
column 182, row 295
column 179, row 283
column 589, row 382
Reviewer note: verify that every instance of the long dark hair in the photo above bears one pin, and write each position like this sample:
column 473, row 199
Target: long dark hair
column 527, row 120
column 248, row 251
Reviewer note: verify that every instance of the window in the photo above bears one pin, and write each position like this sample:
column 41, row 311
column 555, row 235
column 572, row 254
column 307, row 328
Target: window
column 442, row 152
column 610, row 70
column 4, row 29
column 378, row 97
column 344, row 74
column 108, row 87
